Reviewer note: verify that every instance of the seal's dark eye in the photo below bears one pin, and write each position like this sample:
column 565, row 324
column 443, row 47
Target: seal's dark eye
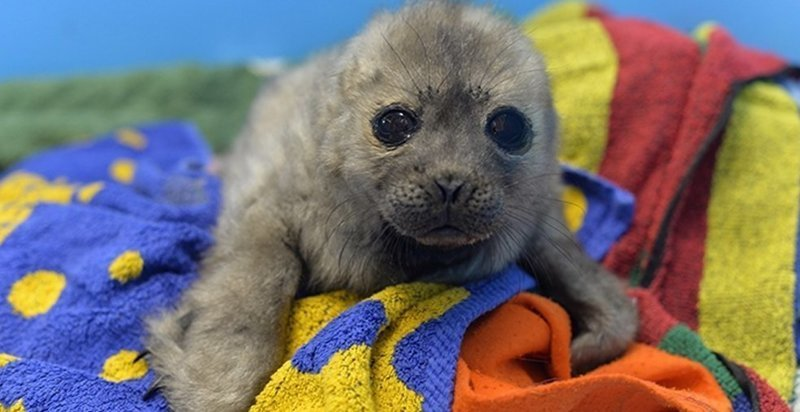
column 394, row 125
column 509, row 129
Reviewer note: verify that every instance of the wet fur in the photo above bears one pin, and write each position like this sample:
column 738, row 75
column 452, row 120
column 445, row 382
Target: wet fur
column 313, row 202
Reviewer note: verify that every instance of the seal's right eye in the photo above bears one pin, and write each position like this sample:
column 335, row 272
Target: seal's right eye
column 509, row 129
column 394, row 125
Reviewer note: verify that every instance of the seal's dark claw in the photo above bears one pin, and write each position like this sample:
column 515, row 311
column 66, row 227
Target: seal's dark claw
column 141, row 356
column 154, row 387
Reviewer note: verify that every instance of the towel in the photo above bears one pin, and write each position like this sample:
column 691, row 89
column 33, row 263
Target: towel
column 705, row 133
column 39, row 114
column 93, row 238
column 530, row 368
column 396, row 350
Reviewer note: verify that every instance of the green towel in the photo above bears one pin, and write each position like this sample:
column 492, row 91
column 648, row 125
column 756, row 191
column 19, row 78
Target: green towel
column 38, row 114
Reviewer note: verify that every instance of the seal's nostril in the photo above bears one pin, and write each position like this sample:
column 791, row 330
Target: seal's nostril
column 456, row 191
column 442, row 191
column 449, row 189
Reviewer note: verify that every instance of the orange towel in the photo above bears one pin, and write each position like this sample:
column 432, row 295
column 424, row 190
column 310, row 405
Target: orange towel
column 528, row 369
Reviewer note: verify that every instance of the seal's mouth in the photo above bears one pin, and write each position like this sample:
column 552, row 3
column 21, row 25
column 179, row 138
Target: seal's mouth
column 446, row 231
column 447, row 236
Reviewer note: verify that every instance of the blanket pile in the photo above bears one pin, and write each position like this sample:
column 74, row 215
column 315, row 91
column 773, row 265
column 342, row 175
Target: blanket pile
column 703, row 133
column 706, row 134
column 95, row 237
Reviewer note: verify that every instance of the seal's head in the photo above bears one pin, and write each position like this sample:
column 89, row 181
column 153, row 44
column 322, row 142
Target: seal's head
column 446, row 127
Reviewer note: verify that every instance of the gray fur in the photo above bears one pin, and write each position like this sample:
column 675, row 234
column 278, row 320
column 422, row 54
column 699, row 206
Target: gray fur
column 314, row 202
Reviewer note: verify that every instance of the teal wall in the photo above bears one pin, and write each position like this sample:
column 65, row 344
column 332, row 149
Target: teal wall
column 63, row 37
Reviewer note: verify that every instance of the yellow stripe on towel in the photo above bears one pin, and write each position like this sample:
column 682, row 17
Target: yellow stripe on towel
column 583, row 66
column 747, row 291
column 559, row 12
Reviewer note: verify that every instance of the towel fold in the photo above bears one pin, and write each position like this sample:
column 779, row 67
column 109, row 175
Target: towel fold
column 529, row 369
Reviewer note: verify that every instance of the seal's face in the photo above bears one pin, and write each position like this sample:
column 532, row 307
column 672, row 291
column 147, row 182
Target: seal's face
column 446, row 196
column 448, row 127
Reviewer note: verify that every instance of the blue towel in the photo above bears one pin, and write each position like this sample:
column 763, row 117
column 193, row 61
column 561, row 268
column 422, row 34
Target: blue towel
column 607, row 214
column 93, row 238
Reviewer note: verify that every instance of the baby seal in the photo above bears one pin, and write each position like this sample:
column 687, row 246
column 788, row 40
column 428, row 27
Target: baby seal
column 424, row 149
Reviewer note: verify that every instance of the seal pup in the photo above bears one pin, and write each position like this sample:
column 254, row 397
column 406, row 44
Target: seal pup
column 423, row 149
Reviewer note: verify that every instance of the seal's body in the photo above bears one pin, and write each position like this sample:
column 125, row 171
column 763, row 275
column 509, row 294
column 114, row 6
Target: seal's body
column 423, row 149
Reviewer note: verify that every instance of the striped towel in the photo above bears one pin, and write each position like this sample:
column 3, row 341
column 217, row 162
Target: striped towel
column 706, row 134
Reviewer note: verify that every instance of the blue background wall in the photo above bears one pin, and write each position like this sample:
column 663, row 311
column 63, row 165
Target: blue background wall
column 45, row 38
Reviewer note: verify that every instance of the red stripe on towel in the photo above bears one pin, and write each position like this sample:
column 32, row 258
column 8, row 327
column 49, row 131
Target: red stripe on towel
column 724, row 64
column 768, row 398
column 677, row 280
column 683, row 258
column 656, row 65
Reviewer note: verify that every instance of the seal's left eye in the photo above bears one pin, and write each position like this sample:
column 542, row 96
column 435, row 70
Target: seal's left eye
column 394, row 125
column 509, row 129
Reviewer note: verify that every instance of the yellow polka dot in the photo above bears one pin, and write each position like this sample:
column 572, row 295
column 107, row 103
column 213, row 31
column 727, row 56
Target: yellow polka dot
column 88, row 192
column 121, row 367
column 126, row 266
column 575, row 205
column 132, row 138
column 15, row 407
column 20, row 192
column 123, row 170
column 36, row 292
column 5, row 359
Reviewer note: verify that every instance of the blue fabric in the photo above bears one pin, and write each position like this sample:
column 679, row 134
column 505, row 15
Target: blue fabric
column 358, row 325
column 164, row 214
column 426, row 359
column 609, row 212
column 742, row 404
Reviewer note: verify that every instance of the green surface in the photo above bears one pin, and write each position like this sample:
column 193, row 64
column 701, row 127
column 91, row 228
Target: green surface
column 41, row 114
column 682, row 341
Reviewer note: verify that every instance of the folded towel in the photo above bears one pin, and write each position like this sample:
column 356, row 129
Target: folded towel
column 530, row 367
column 396, row 350
column 707, row 141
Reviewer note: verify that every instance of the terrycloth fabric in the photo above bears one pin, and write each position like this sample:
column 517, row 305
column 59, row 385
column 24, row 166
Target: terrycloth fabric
column 94, row 237
column 751, row 243
column 597, row 211
column 396, row 350
column 713, row 158
column 529, row 369
column 515, row 357
column 36, row 115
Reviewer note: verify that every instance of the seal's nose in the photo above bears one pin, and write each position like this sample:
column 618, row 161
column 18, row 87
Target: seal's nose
column 449, row 189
